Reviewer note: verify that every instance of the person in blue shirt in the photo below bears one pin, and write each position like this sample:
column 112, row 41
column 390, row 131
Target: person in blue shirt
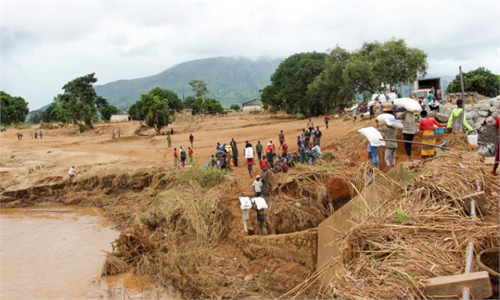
column 373, row 154
column 303, row 152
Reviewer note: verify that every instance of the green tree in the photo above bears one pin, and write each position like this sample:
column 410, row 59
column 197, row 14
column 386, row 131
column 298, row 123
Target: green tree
column 108, row 110
column 154, row 108
column 288, row 89
column 195, row 104
column 79, row 102
column 235, row 107
column 34, row 117
column 199, row 88
column 480, row 80
column 349, row 73
column 212, row 106
column 13, row 109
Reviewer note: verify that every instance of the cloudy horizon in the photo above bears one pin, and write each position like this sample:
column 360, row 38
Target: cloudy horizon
column 45, row 44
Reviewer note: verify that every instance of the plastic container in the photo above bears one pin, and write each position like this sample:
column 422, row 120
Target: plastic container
column 439, row 130
column 472, row 137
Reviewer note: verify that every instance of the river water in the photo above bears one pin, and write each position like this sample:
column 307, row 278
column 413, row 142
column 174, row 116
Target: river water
column 58, row 252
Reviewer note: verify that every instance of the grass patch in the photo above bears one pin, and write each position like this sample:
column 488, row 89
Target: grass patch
column 401, row 216
column 206, row 177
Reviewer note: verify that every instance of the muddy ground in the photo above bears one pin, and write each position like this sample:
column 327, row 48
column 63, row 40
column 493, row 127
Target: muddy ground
column 121, row 177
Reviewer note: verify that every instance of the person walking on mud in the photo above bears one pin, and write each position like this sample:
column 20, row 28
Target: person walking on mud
column 40, row 133
column 71, row 173
column 281, row 138
column 191, row 139
column 190, row 155
column 182, row 153
column 176, row 158
column 258, row 149
column 169, row 140
column 257, row 186
column 260, row 205
column 310, row 125
column 245, row 206
column 327, row 118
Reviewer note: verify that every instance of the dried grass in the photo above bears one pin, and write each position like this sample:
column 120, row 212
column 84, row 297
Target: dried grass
column 417, row 233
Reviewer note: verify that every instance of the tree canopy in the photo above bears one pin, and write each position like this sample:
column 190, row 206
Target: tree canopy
column 79, row 103
column 480, row 80
column 156, row 108
column 347, row 73
column 13, row 109
column 288, row 88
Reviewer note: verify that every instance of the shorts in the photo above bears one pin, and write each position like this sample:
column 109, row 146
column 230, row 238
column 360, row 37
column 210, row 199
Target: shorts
column 246, row 214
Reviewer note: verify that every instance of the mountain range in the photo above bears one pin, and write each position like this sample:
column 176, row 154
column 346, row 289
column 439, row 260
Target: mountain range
column 229, row 80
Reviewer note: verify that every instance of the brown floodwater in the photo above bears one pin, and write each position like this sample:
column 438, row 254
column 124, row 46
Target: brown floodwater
column 58, row 252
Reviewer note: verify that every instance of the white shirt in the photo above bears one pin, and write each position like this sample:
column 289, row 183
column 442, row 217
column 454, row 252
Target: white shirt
column 257, row 185
column 316, row 149
column 71, row 171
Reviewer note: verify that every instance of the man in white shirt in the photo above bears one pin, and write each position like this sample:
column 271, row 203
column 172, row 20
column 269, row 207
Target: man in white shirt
column 71, row 172
column 257, row 186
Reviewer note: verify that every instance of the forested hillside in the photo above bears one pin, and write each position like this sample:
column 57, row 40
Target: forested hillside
column 229, row 80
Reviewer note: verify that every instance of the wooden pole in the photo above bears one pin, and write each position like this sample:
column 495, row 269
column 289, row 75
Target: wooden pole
column 462, row 84
column 416, row 143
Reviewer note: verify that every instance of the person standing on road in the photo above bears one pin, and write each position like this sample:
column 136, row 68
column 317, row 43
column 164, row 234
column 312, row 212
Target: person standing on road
column 257, row 186
column 327, row 118
column 317, row 136
column 169, row 140
column 119, row 133
column 182, row 153
column 40, row 133
column 284, row 149
column 258, row 149
column 245, row 206
column 281, row 138
column 190, row 155
column 260, row 205
column 310, row 125
column 191, row 139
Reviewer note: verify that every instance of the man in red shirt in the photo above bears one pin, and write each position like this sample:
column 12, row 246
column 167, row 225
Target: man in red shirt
column 263, row 165
column 176, row 158
column 327, row 118
column 497, row 156
column 191, row 139
column 284, row 149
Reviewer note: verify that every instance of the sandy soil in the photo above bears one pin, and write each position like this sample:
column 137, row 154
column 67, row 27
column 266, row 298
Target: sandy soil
column 31, row 163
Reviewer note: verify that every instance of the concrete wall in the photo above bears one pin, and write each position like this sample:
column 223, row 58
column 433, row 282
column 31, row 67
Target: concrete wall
column 253, row 108
column 118, row 118
column 341, row 221
column 299, row 247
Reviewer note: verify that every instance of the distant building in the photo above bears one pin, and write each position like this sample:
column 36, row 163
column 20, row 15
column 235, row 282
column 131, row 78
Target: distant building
column 254, row 105
column 119, row 118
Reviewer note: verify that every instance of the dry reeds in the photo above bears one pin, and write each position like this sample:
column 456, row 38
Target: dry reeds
column 417, row 233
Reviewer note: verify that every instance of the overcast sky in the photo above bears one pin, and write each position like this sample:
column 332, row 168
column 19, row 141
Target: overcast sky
column 45, row 44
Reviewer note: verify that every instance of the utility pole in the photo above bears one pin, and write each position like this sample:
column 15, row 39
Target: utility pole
column 462, row 83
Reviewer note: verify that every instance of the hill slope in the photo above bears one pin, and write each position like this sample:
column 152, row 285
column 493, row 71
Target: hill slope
column 229, row 80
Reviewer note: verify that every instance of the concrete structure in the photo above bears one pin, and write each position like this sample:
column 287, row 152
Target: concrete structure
column 119, row 118
column 299, row 247
column 254, row 105
column 329, row 231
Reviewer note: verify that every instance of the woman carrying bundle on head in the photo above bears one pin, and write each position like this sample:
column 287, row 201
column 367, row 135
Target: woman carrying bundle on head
column 427, row 127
